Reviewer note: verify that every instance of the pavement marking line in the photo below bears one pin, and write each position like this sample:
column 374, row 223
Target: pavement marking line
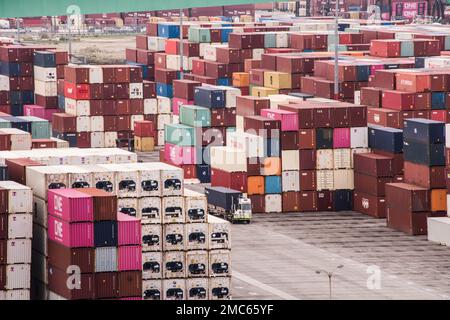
column 263, row 286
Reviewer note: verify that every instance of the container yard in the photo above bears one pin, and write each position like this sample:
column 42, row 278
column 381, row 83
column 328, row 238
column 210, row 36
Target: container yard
column 243, row 151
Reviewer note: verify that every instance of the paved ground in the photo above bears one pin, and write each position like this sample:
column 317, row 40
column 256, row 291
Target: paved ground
column 277, row 255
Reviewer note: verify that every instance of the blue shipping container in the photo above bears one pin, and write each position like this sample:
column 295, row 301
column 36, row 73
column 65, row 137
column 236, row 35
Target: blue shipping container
column 273, row 184
column 272, row 147
column 225, row 33
column 44, row 59
column 386, row 139
column 165, row 90
column 168, row 30
column 69, row 137
column 224, row 82
column 204, row 173
column 426, row 154
column 209, row 97
column 17, row 110
column 363, row 73
column 424, row 131
column 105, row 233
column 10, row 69
column 438, row 100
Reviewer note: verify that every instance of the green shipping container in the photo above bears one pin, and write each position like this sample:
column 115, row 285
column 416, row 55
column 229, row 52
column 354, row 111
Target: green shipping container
column 180, row 135
column 199, row 35
column 270, row 40
column 195, row 116
column 40, row 128
column 407, row 48
column 5, row 123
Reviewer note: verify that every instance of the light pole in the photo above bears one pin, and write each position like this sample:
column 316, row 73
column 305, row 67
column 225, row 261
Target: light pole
column 330, row 276
column 336, row 52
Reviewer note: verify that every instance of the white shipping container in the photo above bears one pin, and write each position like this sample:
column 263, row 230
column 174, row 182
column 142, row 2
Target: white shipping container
column 290, row 160
column 171, row 178
column 281, row 40
column 102, row 178
column 45, row 74
column 129, row 206
column 219, row 233
column 163, row 120
column 173, row 210
column 152, row 237
column 97, row 139
column 77, row 107
column 439, row 230
column 18, row 276
column 197, row 289
column 173, row 237
column 110, row 139
column 251, row 144
column 40, row 179
column 160, row 138
column 18, row 251
column 149, row 210
column 174, row 289
column 174, row 264
column 20, row 197
column 60, row 143
column 149, row 180
column 20, row 226
column 239, row 123
column 220, row 288
column 273, row 203
column 150, row 106
column 219, row 263
column 83, row 124
column 359, row 137
column 227, row 159
column 325, row 180
column 23, row 294
column 152, row 290
column 126, row 180
column 106, row 259
column 343, row 179
column 195, row 206
column 20, row 140
column 173, row 62
column 290, row 181
column 136, row 91
column 97, row 123
column 257, row 53
column 152, row 265
column 196, row 236
column 324, row 159
column 447, row 134
column 342, row 158
column 79, row 177
column 4, row 83
column 197, row 262
column 164, row 105
column 40, row 212
column 95, row 74
column 156, row 43
column 46, row 89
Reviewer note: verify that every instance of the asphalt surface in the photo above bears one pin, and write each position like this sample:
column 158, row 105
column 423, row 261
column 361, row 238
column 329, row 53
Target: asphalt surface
column 277, row 256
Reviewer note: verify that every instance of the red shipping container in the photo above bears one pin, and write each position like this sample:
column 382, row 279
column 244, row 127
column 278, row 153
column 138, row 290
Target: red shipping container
column 385, row 48
column 385, row 117
column 198, row 66
column 144, row 128
column 368, row 204
column 232, row 180
column 76, row 91
column 397, row 100
column 84, row 140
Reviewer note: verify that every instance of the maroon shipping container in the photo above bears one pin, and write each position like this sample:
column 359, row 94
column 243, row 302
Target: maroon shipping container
column 412, row 223
column 307, row 159
column 218, row 117
column 130, row 284
column 407, row 197
column 104, row 203
column 232, row 180
column 385, row 117
column 83, row 139
column 43, row 144
column 141, row 42
column 160, row 60
column 398, row 161
column 216, row 70
column 291, row 201
column 269, row 61
column 308, row 180
column 424, row 176
column 62, row 257
column 145, row 57
column 340, row 116
column 136, row 75
column 122, row 91
column 324, row 200
column 240, row 41
column 149, row 89
column 305, row 113
column 131, row 55
column 17, row 169
column 384, row 79
column 253, row 166
column 230, row 117
column 76, row 74
column 308, row 201
column 122, row 107
column 290, row 140
column 184, row 89
column 165, row 75
column 258, row 203
column 371, row 97
column 370, row 184
column 64, row 122
column 257, row 77
column 136, row 106
column 3, row 232
column 5, row 141
column 123, row 123
column 249, row 105
column 262, row 126
column 106, row 285
column 227, row 55
column 307, row 139
column 368, row 204
column 57, row 283
column 322, row 116
column 46, row 102
column 108, row 108
column 373, row 164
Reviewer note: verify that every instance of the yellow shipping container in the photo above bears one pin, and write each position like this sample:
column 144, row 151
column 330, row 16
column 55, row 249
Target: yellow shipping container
column 263, row 91
column 241, row 79
column 277, row 80
column 144, row 144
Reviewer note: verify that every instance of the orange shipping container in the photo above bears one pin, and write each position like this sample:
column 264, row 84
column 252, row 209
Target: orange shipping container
column 271, row 166
column 438, row 200
column 255, row 185
column 412, row 81
column 241, row 79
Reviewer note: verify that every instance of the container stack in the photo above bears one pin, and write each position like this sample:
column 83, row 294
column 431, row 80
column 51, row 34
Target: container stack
column 144, row 136
column 48, row 70
column 101, row 104
column 16, row 232
column 422, row 195
column 84, row 223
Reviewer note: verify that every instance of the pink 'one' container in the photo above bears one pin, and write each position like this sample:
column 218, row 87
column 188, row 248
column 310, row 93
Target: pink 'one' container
column 289, row 120
column 72, row 235
column 341, row 138
column 129, row 229
column 70, row 205
column 130, row 258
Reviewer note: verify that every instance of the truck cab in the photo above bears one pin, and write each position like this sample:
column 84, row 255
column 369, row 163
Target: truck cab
column 243, row 210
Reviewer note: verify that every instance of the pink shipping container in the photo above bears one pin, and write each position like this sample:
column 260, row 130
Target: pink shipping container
column 341, row 138
column 289, row 120
column 181, row 155
column 177, row 103
column 375, row 67
column 39, row 111
column 72, row 235
column 70, row 205
column 130, row 258
column 129, row 229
